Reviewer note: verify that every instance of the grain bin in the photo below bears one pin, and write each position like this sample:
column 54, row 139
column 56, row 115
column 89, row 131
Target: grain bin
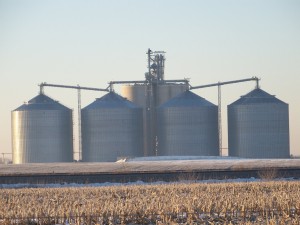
column 42, row 131
column 155, row 95
column 111, row 128
column 167, row 91
column 258, row 126
column 164, row 91
column 187, row 125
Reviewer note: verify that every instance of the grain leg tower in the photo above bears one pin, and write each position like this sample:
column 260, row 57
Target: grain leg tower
column 152, row 93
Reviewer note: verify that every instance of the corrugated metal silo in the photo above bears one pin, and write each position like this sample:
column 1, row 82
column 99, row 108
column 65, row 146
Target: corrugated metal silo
column 187, row 125
column 157, row 94
column 135, row 93
column 258, row 126
column 42, row 131
column 167, row 91
column 111, row 128
column 138, row 93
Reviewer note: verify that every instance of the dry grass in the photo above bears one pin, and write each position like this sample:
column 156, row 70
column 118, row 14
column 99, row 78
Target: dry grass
column 268, row 174
column 225, row 203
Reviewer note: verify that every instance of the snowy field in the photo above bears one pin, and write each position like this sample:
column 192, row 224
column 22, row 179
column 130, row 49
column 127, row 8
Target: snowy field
column 138, row 183
column 151, row 164
column 213, row 164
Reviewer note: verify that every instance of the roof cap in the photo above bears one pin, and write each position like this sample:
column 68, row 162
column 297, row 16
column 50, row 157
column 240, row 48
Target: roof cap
column 257, row 96
column 111, row 100
column 187, row 99
column 41, row 102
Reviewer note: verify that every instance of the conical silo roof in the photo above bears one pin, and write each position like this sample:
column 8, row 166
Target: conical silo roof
column 111, row 100
column 111, row 127
column 187, row 99
column 257, row 96
column 42, row 132
column 41, row 102
column 258, row 126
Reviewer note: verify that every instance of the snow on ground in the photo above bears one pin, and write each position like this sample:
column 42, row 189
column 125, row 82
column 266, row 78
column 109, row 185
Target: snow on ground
column 153, row 166
column 108, row 184
column 168, row 158
column 182, row 163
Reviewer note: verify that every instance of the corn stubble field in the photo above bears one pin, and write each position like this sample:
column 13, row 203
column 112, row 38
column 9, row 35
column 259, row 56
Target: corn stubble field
column 182, row 203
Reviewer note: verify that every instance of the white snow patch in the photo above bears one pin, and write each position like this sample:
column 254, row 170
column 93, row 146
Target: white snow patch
column 168, row 158
column 108, row 184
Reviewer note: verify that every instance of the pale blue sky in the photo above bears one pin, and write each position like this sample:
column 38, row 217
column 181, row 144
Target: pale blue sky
column 92, row 42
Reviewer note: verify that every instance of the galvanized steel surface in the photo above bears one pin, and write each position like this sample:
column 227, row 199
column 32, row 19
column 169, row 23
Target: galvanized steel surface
column 188, row 125
column 111, row 128
column 135, row 93
column 138, row 93
column 42, row 131
column 258, row 126
column 167, row 91
column 158, row 94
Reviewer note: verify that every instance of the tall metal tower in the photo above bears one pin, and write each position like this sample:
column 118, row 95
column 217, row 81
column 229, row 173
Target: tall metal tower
column 156, row 65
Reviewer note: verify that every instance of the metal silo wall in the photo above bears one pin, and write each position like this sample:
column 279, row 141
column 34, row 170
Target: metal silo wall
column 42, row 136
column 135, row 93
column 164, row 92
column 258, row 130
column 138, row 95
column 108, row 134
column 167, row 91
column 160, row 94
column 188, row 131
